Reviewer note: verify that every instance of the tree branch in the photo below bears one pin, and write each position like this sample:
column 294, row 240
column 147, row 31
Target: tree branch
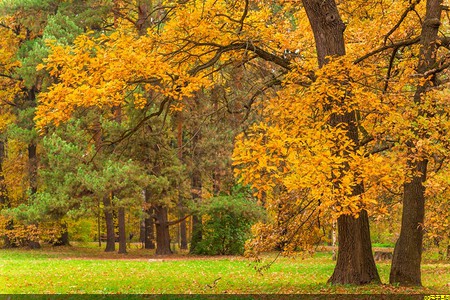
column 175, row 222
column 387, row 47
column 131, row 131
column 249, row 46
column 402, row 18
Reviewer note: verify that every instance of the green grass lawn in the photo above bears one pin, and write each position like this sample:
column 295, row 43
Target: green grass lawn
column 90, row 270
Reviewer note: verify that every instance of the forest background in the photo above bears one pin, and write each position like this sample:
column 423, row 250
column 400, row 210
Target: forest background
column 188, row 122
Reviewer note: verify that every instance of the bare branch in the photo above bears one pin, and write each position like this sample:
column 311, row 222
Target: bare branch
column 249, row 46
column 387, row 47
column 129, row 132
column 402, row 18
column 388, row 74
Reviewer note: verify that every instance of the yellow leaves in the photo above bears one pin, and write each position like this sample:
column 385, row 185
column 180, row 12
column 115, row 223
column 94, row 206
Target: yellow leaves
column 297, row 149
column 106, row 71
column 6, row 118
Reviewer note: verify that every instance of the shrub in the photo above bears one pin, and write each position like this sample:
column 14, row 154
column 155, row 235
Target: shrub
column 226, row 224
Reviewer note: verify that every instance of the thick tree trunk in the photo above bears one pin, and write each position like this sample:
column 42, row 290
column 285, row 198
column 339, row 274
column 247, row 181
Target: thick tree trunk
column 122, row 231
column 355, row 263
column 162, row 231
column 327, row 27
column 407, row 257
column 109, row 220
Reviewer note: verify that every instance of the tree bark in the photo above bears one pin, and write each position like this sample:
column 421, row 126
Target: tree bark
column 109, row 220
column 328, row 28
column 407, row 257
column 355, row 263
column 122, row 231
column 197, row 228
column 162, row 231
column 32, row 167
column 149, row 238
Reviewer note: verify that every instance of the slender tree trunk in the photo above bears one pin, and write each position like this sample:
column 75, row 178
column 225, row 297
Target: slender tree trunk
column 333, row 240
column 197, row 227
column 122, row 231
column 32, row 173
column 407, row 257
column 4, row 199
column 149, row 224
column 142, row 232
column 196, row 192
column 99, row 231
column 355, row 263
column 162, row 231
column 183, row 229
column 32, row 167
column 149, row 240
column 109, row 220
column 183, row 232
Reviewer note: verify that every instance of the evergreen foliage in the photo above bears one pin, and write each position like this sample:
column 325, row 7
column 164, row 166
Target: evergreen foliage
column 227, row 223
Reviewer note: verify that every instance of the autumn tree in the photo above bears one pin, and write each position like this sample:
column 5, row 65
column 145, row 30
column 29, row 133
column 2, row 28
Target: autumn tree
column 386, row 122
column 408, row 251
